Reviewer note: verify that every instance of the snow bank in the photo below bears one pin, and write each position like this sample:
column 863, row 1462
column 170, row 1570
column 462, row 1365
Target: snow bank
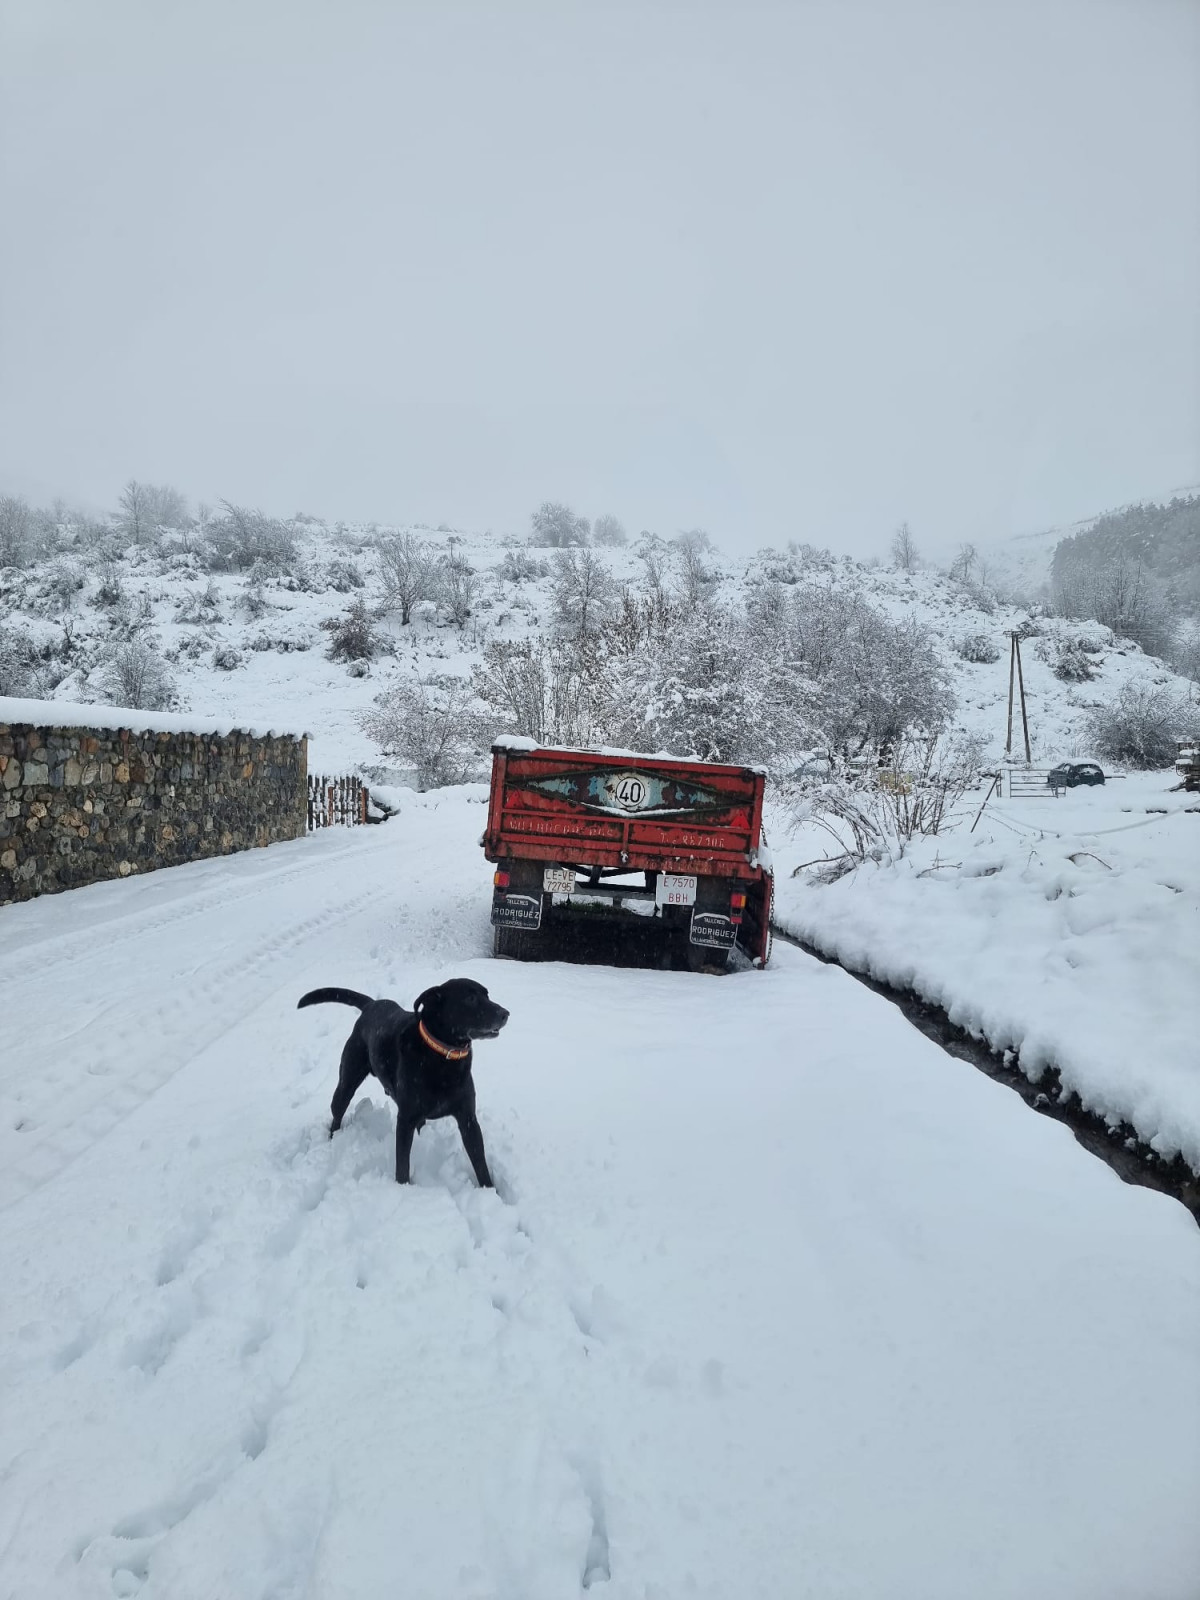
column 1068, row 931
column 64, row 714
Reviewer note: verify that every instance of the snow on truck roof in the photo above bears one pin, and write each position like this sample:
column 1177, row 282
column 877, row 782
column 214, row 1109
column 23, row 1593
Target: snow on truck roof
column 517, row 743
column 65, row 714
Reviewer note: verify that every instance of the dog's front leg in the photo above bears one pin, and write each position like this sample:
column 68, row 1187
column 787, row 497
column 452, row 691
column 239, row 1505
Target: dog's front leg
column 406, row 1127
column 472, row 1138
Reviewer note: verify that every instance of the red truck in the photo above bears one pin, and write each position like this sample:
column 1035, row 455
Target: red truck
column 587, row 837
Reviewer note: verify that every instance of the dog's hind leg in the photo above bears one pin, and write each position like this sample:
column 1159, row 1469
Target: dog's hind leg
column 356, row 1064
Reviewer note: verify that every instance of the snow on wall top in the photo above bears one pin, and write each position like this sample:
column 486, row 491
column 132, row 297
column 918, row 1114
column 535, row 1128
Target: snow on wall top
column 63, row 714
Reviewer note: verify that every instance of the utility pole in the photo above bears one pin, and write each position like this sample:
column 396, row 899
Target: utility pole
column 1016, row 677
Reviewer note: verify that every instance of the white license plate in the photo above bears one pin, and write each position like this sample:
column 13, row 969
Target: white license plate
column 674, row 889
column 558, row 880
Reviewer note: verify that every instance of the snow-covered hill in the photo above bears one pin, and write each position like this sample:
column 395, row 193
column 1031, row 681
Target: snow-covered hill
column 245, row 646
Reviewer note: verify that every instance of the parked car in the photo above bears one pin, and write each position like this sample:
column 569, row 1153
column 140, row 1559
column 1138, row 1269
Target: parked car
column 1071, row 774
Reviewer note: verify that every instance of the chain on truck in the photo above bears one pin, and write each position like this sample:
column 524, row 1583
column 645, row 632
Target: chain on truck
column 586, row 836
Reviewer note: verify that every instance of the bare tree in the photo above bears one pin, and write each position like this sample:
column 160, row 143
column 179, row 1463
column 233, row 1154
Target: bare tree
column 456, row 586
column 607, row 530
column 136, row 675
column 584, row 593
column 904, row 549
column 429, row 725
column 553, row 691
column 557, row 525
column 15, row 528
column 137, row 511
column 408, row 573
column 965, row 564
column 1141, row 726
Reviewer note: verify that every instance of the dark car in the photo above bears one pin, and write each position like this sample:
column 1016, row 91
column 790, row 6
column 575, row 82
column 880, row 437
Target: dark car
column 1073, row 773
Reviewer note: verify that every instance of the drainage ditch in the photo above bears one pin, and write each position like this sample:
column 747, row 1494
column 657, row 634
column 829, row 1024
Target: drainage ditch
column 1117, row 1144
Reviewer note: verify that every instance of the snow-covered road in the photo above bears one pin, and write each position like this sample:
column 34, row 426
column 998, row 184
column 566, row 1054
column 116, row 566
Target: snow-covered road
column 775, row 1299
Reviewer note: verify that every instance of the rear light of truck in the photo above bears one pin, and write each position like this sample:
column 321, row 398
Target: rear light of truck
column 500, row 879
column 737, row 904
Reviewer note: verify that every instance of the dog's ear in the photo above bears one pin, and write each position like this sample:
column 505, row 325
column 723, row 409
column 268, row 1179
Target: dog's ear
column 424, row 998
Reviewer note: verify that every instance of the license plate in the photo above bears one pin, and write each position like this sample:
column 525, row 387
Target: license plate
column 558, row 880
column 674, row 889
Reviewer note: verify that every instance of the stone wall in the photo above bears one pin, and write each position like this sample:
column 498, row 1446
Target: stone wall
column 81, row 804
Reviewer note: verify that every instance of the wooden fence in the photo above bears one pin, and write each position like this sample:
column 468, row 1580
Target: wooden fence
column 335, row 802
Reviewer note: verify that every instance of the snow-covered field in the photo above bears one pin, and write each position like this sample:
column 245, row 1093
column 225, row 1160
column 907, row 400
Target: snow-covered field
column 775, row 1299
column 1067, row 930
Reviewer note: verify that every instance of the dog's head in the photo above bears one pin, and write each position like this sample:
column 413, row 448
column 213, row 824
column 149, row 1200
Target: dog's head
column 460, row 1010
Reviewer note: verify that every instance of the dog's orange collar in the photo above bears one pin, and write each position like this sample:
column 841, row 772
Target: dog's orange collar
column 442, row 1049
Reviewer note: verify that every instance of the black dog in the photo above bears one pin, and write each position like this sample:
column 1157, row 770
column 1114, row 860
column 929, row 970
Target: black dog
column 421, row 1057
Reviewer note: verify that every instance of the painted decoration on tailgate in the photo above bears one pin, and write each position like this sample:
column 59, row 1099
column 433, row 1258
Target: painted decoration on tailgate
column 627, row 794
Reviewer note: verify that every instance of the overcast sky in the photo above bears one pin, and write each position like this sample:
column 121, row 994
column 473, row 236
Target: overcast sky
column 790, row 271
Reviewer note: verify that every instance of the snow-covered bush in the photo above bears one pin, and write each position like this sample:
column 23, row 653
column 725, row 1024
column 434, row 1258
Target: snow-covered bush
column 110, row 590
column 1071, row 662
column 518, row 566
column 406, row 566
column 16, row 531
column 874, row 811
column 352, row 636
column 135, row 675
column 1142, row 726
column 584, row 593
column 429, row 724
column 554, row 691
column 18, row 662
column 342, row 575
column 455, row 586
column 979, row 647
column 252, row 601
column 243, row 537
column 202, row 606
column 226, row 657
column 608, row 530
column 557, row 525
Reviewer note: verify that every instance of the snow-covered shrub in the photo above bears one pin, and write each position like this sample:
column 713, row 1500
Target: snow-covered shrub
column 979, row 647
column 557, row 525
column 584, row 593
column 241, row 538
column 200, row 607
column 1141, row 727
column 519, row 566
column 874, row 811
column 455, row 586
column 406, row 566
column 554, row 691
column 1071, row 662
column 16, row 531
column 18, row 662
column 352, row 636
column 427, row 723
column 342, row 575
column 109, row 588
column 227, row 657
column 135, row 675
column 252, row 601
column 608, row 530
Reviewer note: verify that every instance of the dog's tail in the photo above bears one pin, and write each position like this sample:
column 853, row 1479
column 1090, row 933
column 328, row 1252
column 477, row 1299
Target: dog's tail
column 343, row 997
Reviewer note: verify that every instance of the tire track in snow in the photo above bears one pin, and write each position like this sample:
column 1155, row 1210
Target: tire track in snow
column 83, row 1105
